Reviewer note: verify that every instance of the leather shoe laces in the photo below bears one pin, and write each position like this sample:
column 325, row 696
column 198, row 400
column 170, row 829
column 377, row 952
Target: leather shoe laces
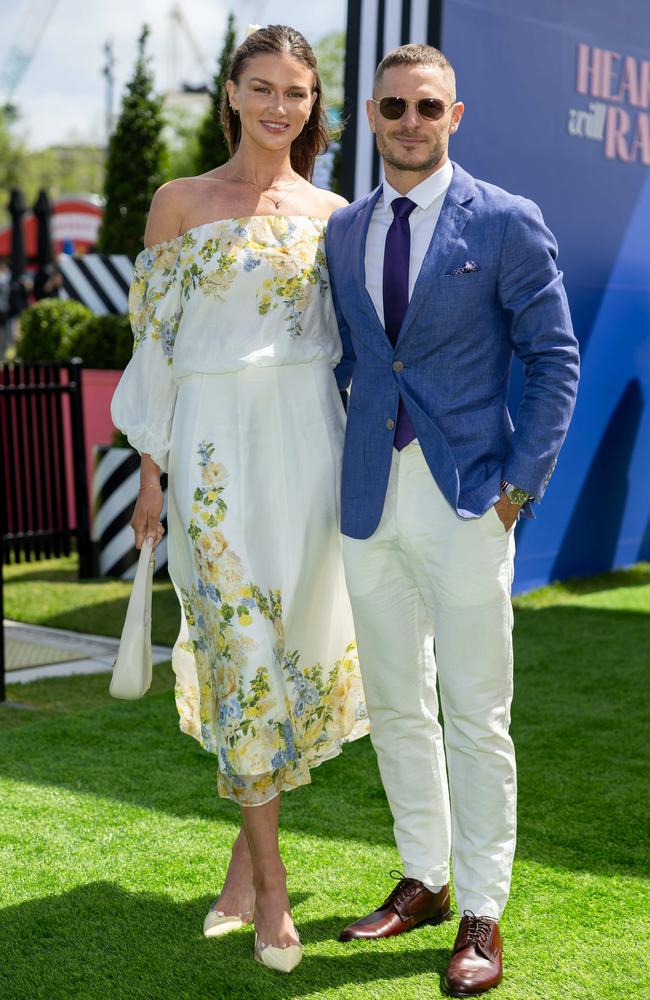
column 405, row 889
column 474, row 930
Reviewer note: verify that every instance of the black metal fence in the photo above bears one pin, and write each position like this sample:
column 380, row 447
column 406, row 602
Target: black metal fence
column 44, row 491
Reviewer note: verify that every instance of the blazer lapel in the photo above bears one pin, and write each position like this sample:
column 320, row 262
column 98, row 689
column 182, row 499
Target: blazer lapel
column 453, row 219
column 359, row 239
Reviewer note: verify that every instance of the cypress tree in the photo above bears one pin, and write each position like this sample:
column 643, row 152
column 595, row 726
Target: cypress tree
column 213, row 149
column 136, row 161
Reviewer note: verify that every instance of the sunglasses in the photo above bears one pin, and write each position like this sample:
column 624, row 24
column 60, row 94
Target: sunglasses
column 430, row 108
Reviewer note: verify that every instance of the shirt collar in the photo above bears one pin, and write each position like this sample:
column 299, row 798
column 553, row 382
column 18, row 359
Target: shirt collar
column 424, row 193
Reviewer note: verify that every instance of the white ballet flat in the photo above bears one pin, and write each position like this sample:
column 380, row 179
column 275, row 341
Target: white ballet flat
column 217, row 923
column 278, row 959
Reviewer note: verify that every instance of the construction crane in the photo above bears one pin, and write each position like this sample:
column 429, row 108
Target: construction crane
column 180, row 25
column 179, row 20
column 33, row 22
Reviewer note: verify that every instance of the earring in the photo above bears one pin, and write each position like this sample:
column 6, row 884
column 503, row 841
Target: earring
column 234, row 110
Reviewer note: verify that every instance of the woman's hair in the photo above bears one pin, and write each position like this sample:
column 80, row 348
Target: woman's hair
column 278, row 38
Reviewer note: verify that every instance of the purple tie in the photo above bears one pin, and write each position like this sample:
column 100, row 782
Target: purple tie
column 397, row 254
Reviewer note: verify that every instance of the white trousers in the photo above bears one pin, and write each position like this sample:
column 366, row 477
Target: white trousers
column 429, row 580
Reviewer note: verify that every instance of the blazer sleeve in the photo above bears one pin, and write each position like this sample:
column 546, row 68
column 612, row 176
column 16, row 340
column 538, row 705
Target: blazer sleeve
column 532, row 294
column 143, row 403
column 345, row 367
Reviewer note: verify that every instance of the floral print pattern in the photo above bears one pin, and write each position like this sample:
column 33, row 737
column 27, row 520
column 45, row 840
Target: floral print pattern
column 290, row 286
column 210, row 267
column 268, row 725
column 230, row 388
column 155, row 276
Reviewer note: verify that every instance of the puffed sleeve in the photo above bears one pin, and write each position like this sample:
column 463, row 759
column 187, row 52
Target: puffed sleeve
column 143, row 403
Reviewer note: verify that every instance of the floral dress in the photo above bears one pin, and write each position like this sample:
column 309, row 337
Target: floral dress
column 230, row 389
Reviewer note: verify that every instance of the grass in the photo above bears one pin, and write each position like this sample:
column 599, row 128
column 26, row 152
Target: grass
column 49, row 593
column 113, row 842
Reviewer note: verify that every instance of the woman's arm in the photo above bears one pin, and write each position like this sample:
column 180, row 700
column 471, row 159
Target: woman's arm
column 148, row 506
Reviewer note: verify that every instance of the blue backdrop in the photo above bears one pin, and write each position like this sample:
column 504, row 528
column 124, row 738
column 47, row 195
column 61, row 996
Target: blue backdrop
column 557, row 97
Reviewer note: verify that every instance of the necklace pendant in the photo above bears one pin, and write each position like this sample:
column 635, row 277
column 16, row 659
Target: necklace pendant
column 277, row 204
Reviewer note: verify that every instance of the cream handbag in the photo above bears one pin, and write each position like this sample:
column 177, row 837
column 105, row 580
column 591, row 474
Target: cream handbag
column 132, row 668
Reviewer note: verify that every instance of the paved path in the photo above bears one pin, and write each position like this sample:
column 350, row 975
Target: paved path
column 33, row 651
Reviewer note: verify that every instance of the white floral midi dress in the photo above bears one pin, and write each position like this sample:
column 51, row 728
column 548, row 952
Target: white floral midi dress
column 231, row 389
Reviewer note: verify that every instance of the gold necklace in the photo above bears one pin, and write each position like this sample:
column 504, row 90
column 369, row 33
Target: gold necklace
column 263, row 194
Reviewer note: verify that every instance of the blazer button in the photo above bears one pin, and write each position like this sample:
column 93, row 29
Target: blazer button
column 398, row 366
column 390, row 424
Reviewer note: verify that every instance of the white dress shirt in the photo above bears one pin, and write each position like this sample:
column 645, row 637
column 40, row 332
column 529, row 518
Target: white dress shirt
column 428, row 196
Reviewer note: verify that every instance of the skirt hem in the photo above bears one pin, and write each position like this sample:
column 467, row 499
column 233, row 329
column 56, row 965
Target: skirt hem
column 288, row 778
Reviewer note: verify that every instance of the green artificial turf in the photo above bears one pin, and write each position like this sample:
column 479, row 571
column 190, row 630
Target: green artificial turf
column 49, row 593
column 113, row 842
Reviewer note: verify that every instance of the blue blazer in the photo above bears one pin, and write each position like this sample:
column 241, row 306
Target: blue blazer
column 488, row 287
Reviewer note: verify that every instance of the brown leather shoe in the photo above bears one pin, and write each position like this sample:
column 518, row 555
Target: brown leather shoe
column 408, row 905
column 476, row 959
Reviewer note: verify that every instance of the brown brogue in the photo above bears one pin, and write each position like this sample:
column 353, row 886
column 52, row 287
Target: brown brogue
column 476, row 959
column 408, row 905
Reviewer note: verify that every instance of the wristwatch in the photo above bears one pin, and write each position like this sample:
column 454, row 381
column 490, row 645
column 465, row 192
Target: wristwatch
column 515, row 494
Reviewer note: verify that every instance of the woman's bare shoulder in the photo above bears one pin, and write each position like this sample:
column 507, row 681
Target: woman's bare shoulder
column 166, row 212
column 173, row 204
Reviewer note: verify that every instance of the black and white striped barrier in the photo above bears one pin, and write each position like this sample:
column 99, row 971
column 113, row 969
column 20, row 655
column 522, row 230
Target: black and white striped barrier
column 99, row 281
column 116, row 479
column 374, row 27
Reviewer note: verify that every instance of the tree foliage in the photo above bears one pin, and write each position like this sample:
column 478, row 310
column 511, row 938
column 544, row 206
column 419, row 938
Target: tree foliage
column 182, row 141
column 212, row 146
column 61, row 170
column 330, row 53
column 12, row 161
column 136, row 161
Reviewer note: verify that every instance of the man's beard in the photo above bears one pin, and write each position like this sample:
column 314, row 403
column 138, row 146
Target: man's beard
column 432, row 160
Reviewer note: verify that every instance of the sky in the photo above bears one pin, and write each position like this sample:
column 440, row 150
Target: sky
column 62, row 95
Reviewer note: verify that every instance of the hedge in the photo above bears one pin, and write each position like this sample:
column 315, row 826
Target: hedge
column 45, row 326
column 59, row 329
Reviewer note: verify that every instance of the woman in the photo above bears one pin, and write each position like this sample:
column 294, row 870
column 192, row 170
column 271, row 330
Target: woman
column 231, row 388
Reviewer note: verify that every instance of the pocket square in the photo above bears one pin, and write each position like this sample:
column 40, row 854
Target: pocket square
column 467, row 268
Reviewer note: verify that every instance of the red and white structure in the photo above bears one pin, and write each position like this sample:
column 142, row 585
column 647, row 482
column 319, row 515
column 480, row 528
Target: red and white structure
column 75, row 223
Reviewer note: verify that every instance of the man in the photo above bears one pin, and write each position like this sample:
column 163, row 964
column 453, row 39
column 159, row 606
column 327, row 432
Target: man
column 437, row 279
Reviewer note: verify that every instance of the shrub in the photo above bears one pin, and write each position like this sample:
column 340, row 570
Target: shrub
column 100, row 341
column 45, row 325
column 120, row 440
column 60, row 329
column 123, row 343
